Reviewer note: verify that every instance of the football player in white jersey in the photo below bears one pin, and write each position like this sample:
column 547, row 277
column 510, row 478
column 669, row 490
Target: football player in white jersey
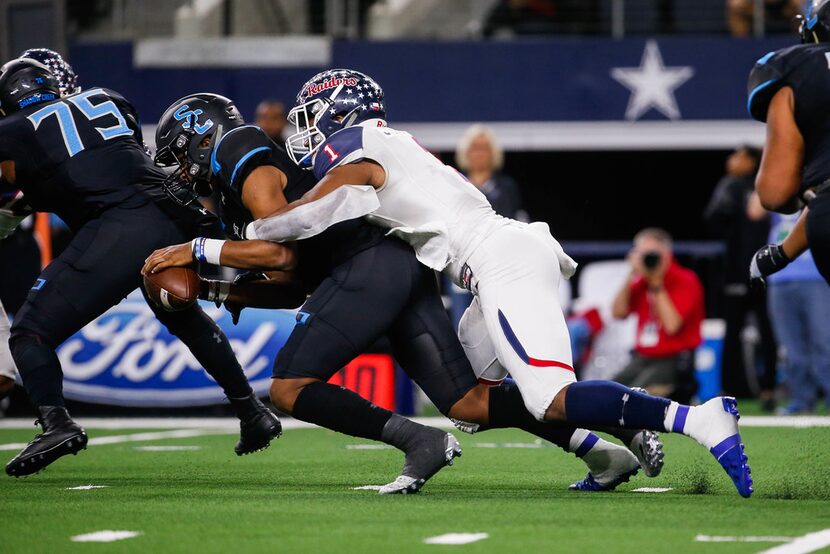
column 515, row 323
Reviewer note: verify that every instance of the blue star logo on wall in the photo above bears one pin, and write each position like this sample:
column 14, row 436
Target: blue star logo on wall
column 652, row 85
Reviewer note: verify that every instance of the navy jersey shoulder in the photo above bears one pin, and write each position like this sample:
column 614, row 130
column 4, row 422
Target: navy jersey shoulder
column 786, row 67
column 239, row 152
column 347, row 143
column 806, row 70
column 81, row 154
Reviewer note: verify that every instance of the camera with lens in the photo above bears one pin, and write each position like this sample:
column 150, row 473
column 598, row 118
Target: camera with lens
column 651, row 260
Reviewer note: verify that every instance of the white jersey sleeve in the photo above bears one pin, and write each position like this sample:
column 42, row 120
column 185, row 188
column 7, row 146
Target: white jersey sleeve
column 426, row 203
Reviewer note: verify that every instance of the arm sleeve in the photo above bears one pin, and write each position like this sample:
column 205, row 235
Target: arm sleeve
column 345, row 203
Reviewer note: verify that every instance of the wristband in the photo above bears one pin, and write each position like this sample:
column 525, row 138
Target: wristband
column 218, row 291
column 207, row 250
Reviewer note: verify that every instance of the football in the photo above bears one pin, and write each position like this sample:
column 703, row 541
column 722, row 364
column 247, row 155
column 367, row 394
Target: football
column 173, row 289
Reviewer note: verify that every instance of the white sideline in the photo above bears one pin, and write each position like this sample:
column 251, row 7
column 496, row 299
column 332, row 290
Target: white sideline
column 803, row 545
column 115, row 439
column 228, row 423
column 749, row 538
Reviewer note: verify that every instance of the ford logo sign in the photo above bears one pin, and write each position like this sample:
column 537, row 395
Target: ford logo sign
column 127, row 357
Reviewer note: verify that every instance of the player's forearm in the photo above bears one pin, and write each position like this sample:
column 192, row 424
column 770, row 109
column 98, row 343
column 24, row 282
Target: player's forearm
column 258, row 254
column 795, row 243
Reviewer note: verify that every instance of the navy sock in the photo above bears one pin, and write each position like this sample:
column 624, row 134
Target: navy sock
column 340, row 410
column 606, row 403
column 507, row 409
column 39, row 368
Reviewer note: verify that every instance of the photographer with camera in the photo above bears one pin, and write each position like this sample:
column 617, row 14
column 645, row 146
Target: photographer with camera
column 668, row 301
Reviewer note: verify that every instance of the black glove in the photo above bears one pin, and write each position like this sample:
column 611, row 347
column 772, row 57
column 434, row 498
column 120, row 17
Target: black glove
column 767, row 260
column 235, row 308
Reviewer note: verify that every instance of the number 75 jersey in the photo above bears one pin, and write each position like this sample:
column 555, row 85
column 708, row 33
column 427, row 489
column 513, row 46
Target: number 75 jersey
column 79, row 154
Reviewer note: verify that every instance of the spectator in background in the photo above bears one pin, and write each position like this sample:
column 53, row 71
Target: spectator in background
column 668, row 301
column 270, row 117
column 799, row 306
column 542, row 17
column 726, row 218
column 480, row 158
column 778, row 16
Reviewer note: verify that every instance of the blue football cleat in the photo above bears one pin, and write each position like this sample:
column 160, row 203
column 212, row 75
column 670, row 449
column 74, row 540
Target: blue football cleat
column 591, row 485
column 730, row 454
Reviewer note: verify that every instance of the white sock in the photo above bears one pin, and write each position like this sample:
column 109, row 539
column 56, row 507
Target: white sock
column 675, row 419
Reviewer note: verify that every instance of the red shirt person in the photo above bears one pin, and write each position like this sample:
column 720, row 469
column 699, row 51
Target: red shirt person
column 668, row 301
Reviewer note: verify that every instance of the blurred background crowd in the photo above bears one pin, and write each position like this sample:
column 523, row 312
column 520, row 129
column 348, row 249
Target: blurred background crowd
column 663, row 228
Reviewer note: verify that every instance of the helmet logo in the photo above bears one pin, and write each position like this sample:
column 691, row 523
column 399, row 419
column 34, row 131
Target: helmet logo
column 332, row 82
column 191, row 119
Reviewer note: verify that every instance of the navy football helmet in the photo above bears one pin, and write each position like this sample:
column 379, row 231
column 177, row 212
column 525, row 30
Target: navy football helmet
column 815, row 23
column 186, row 135
column 62, row 71
column 330, row 101
column 25, row 82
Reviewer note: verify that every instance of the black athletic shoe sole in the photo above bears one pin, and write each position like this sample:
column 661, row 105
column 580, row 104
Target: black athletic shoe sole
column 35, row 461
column 258, row 434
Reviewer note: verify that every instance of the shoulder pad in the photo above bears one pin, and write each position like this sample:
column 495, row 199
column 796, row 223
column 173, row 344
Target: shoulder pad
column 236, row 148
column 770, row 73
column 347, row 143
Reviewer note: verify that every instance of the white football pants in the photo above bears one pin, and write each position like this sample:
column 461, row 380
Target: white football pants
column 515, row 323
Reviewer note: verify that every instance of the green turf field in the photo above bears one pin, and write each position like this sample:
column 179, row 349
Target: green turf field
column 298, row 497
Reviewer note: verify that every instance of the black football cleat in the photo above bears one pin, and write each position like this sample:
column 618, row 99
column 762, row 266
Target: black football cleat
column 257, row 425
column 61, row 436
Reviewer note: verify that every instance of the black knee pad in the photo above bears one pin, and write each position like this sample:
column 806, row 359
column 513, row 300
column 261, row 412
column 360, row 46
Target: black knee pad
column 22, row 340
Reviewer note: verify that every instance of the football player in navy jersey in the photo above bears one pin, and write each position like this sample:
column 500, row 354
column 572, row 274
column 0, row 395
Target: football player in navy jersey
column 81, row 157
column 363, row 285
column 788, row 90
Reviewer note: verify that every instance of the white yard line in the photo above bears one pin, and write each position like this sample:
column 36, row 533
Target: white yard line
column 229, row 423
column 457, row 538
column 654, row 489
column 164, row 448
column 105, row 536
column 185, row 422
column 803, row 545
column 750, row 538
column 86, row 487
column 137, row 437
